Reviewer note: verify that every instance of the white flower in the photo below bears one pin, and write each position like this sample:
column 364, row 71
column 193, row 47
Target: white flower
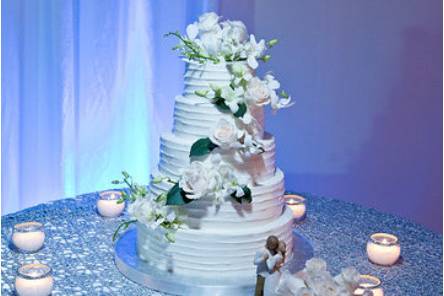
column 231, row 183
column 206, row 33
column 171, row 217
column 146, row 211
column 275, row 100
column 247, row 118
column 254, row 50
column 234, row 31
column 241, row 71
column 232, row 97
column 192, row 31
column 226, row 172
column 195, row 180
column 208, row 22
column 258, row 92
column 315, row 265
column 251, row 146
column 211, row 42
column 225, row 134
column 271, row 82
column 279, row 103
column 348, row 279
column 214, row 181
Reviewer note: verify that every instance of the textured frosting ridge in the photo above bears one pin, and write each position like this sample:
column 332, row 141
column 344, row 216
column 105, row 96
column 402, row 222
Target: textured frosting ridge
column 226, row 252
column 217, row 239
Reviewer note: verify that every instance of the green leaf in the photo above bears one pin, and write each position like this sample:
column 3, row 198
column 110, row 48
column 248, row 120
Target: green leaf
column 202, row 147
column 284, row 94
column 272, row 43
column 241, row 111
column 176, row 196
column 217, row 92
column 265, row 58
column 247, row 195
column 201, row 93
column 125, row 174
column 220, row 104
column 157, row 180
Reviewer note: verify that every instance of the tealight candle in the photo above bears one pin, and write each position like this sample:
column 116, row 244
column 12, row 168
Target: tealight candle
column 108, row 205
column 34, row 280
column 297, row 205
column 28, row 237
column 369, row 286
column 383, row 249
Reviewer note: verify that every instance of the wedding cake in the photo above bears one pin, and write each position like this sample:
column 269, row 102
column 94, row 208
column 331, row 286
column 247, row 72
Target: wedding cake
column 217, row 193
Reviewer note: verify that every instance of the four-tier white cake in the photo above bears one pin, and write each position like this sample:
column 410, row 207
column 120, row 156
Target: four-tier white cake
column 217, row 170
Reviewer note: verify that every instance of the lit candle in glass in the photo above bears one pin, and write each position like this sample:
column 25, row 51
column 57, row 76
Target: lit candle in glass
column 383, row 249
column 369, row 286
column 34, row 280
column 297, row 205
column 28, row 237
column 108, row 205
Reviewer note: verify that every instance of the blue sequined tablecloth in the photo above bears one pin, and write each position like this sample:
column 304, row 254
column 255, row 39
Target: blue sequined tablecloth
column 80, row 250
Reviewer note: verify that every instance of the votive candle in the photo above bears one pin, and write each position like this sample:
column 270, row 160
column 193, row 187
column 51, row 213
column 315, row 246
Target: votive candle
column 369, row 286
column 28, row 236
column 383, row 249
column 107, row 204
column 34, row 280
column 297, row 205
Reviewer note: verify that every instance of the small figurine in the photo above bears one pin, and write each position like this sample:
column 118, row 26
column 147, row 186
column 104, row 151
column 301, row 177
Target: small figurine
column 268, row 260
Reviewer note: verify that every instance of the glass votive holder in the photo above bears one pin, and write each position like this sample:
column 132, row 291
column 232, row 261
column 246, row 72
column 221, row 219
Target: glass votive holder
column 28, row 237
column 34, row 280
column 108, row 205
column 369, row 286
column 296, row 203
column 383, row 249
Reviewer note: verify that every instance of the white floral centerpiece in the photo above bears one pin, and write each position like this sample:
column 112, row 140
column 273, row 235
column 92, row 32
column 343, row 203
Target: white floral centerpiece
column 315, row 280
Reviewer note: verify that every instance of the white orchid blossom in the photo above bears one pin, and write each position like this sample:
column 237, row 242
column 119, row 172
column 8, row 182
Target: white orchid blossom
column 232, row 97
column 254, row 50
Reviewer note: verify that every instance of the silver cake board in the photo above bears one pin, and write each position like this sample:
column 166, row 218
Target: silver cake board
column 139, row 271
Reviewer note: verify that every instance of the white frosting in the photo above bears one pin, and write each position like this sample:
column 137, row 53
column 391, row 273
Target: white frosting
column 195, row 116
column 223, row 252
column 201, row 76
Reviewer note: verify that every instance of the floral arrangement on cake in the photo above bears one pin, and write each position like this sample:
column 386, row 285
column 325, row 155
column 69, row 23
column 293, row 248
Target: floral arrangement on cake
column 226, row 43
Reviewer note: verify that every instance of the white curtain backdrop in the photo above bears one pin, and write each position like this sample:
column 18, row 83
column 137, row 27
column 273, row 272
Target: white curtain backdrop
column 87, row 87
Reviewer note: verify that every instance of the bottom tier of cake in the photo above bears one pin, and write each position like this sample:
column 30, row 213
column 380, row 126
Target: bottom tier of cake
column 225, row 252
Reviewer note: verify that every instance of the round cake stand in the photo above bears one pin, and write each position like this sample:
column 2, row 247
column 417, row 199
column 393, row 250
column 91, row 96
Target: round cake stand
column 139, row 271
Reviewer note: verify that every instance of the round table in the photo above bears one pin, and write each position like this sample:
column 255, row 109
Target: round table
column 80, row 250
